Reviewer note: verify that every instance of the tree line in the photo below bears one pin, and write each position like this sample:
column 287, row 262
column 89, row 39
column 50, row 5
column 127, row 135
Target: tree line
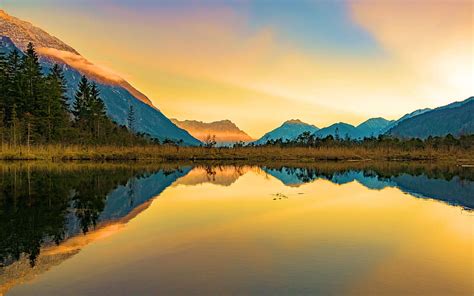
column 34, row 107
column 307, row 139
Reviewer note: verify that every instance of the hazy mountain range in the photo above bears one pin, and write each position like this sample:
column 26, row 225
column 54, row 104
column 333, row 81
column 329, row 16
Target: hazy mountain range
column 116, row 93
column 371, row 127
column 456, row 118
column 225, row 131
column 291, row 129
column 404, row 117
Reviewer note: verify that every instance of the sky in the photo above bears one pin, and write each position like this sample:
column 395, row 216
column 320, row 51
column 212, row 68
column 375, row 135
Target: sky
column 260, row 63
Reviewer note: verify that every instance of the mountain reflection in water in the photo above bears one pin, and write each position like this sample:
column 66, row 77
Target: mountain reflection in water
column 48, row 213
column 448, row 188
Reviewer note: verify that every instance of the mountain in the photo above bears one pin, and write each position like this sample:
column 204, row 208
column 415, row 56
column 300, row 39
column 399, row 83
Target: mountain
column 116, row 93
column 293, row 128
column 341, row 129
column 289, row 130
column 404, row 117
column 456, row 118
column 370, row 128
column 373, row 127
column 226, row 131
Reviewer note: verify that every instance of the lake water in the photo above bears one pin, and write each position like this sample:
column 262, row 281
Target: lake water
column 320, row 229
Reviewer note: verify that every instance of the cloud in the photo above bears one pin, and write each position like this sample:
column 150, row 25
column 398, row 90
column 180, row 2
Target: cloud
column 97, row 72
column 211, row 62
column 82, row 64
column 434, row 38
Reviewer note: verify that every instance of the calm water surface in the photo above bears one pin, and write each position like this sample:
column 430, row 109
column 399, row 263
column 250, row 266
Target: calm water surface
column 328, row 229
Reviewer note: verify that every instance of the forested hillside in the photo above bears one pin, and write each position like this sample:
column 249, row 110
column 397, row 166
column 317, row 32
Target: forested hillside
column 34, row 108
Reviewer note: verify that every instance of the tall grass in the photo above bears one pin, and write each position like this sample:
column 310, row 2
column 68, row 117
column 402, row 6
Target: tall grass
column 255, row 154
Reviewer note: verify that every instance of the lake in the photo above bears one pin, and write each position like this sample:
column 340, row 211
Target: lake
column 273, row 229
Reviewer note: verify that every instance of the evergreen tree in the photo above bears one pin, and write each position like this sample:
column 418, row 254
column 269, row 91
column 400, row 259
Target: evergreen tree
column 97, row 105
column 14, row 125
column 56, row 103
column 2, row 127
column 34, row 108
column 32, row 82
column 131, row 119
column 58, row 75
column 14, row 90
column 81, row 110
column 98, row 111
column 3, row 95
column 3, row 80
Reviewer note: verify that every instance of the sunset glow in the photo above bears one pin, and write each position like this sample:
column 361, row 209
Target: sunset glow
column 258, row 64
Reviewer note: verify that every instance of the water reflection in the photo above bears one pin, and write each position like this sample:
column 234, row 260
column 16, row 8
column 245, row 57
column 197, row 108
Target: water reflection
column 49, row 213
column 435, row 183
column 224, row 175
column 43, row 206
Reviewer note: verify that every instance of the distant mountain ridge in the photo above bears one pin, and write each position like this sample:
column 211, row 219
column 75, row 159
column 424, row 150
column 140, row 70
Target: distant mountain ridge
column 340, row 130
column 116, row 93
column 373, row 126
column 370, row 128
column 456, row 119
column 289, row 130
column 404, row 117
column 225, row 131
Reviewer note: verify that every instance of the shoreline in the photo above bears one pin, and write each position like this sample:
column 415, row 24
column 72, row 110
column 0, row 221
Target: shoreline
column 59, row 153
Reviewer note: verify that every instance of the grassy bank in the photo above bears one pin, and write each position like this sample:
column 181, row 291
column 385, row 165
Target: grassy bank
column 253, row 154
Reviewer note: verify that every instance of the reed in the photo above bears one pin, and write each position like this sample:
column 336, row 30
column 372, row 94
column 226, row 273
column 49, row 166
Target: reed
column 165, row 153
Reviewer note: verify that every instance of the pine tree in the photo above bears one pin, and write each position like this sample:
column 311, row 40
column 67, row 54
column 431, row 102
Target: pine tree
column 97, row 105
column 56, row 100
column 3, row 93
column 14, row 125
column 29, row 126
column 99, row 115
column 3, row 64
column 34, row 101
column 32, row 80
column 81, row 110
column 34, row 108
column 3, row 80
column 131, row 119
column 13, row 86
column 2, row 127
column 58, row 75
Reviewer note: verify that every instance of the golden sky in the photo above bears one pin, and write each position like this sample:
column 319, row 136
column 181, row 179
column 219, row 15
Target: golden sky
column 259, row 64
